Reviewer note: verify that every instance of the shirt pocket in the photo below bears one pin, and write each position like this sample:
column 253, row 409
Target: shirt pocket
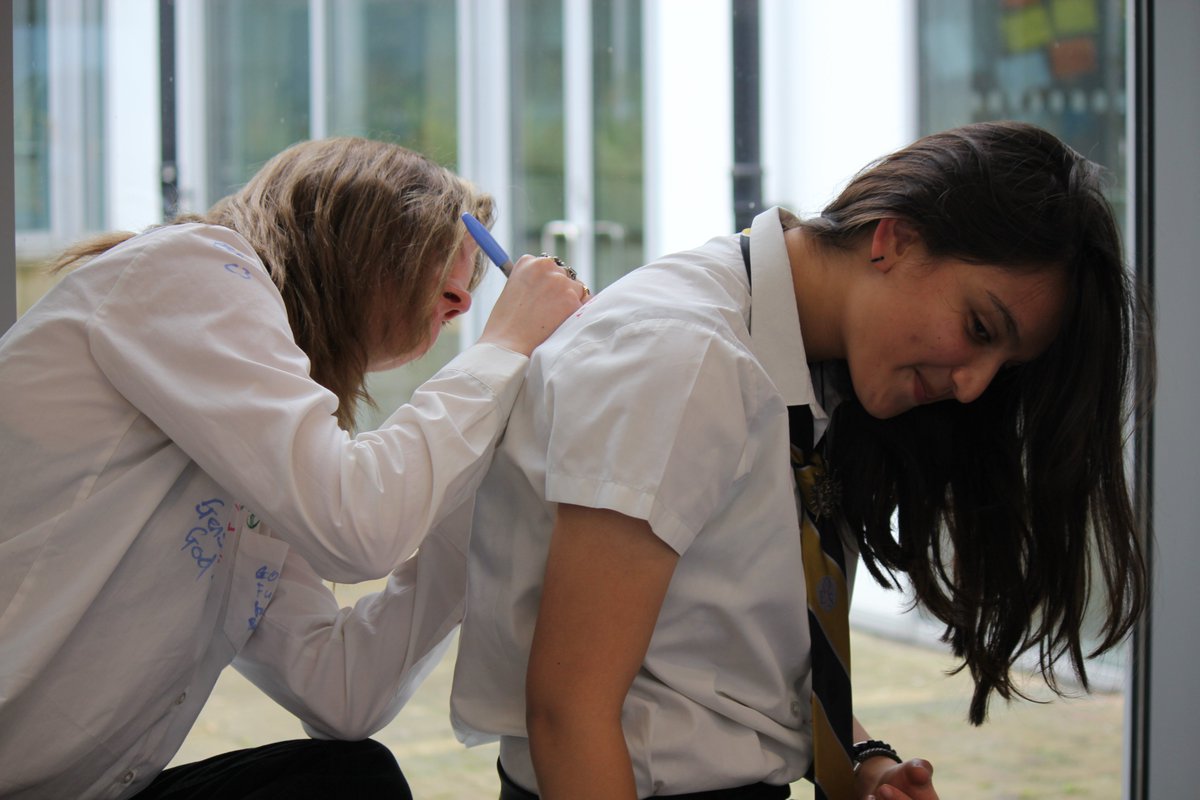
column 256, row 572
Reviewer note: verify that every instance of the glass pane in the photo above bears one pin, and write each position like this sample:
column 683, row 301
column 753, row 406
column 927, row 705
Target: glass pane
column 536, row 100
column 258, row 86
column 394, row 387
column 94, row 139
column 74, row 64
column 617, row 138
column 393, row 73
column 31, row 115
column 1059, row 64
column 59, row 137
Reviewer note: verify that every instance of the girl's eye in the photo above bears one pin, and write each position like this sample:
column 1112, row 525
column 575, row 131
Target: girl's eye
column 980, row 330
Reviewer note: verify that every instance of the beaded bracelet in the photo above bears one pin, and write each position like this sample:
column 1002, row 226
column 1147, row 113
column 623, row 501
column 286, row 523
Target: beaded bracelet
column 871, row 748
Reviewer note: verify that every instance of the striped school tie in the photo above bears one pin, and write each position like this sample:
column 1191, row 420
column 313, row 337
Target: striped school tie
column 828, row 615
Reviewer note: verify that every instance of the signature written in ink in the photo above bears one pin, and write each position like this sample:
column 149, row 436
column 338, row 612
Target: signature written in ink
column 206, row 539
column 266, row 578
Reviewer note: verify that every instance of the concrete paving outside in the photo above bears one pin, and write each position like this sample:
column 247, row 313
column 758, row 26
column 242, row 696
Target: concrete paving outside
column 1062, row 749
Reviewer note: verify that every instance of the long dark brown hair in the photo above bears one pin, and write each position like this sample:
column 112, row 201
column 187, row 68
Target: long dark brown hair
column 1011, row 507
column 358, row 236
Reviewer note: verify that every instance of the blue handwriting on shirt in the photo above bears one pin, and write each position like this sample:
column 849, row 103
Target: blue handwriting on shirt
column 206, row 539
column 266, row 578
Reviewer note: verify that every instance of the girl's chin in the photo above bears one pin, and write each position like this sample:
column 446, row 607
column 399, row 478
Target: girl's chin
column 884, row 409
column 384, row 365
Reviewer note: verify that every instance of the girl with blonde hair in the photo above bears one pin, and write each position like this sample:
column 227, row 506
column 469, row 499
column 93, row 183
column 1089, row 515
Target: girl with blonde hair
column 181, row 473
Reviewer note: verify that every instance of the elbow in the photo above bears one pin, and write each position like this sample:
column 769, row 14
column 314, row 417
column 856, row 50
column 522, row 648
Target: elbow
column 371, row 566
column 349, row 568
column 344, row 727
column 563, row 716
column 544, row 714
column 366, row 527
column 540, row 721
column 350, row 556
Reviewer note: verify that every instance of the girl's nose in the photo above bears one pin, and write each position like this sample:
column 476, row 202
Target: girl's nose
column 455, row 300
column 971, row 380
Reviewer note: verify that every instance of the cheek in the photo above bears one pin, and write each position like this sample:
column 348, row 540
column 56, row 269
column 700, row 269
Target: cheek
column 870, row 380
column 937, row 339
column 891, row 330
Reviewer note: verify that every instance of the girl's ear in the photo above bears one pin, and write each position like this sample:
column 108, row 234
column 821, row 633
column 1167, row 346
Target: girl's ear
column 893, row 239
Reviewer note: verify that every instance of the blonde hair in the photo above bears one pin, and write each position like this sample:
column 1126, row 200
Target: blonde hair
column 356, row 234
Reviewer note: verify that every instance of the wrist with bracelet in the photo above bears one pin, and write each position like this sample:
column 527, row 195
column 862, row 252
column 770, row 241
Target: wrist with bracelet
column 862, row 751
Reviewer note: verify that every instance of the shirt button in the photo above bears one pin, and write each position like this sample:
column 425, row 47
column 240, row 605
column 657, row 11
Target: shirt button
column 128, row 776
column 796, row 708
column 179, row 700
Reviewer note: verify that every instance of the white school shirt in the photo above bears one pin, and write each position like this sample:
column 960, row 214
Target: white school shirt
column 655, row 400
column 171, row 487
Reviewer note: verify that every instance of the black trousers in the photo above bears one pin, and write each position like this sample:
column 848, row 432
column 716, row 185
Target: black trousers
column 755, row 791
column 297, row 770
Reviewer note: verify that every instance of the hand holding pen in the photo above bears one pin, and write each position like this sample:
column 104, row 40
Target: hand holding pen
column 539, row 295
column 489, row 245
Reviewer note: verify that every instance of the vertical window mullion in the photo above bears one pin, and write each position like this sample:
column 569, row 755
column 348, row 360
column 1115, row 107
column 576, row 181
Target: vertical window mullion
column 65, row 76
column 578, row 134
column 192, row 119
column 484, row 125
column 318, row 60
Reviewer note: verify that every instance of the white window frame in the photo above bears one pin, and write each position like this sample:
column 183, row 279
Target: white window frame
column 66, row 79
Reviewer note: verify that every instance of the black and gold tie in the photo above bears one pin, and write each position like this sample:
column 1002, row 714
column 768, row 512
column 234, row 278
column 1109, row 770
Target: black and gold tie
column 828, row 605
column 828, row 614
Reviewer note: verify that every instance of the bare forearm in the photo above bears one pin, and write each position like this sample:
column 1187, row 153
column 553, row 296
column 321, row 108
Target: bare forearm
column 579, row 757
column 606, row 575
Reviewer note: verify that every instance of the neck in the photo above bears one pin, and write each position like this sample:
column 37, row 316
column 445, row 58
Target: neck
column 820, row 278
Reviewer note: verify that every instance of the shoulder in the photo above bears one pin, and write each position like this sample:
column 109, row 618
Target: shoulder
column 682, row 303
column 660, row 366
column 188, row 260
column 189, row 274
column 189, row 241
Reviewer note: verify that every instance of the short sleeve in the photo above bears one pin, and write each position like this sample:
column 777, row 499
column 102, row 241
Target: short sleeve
column 652, row 422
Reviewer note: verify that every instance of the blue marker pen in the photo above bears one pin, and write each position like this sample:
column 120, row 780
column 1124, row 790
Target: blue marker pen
column 488, row 244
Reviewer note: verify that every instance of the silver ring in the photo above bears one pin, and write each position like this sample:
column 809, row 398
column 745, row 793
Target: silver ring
column 571, row 273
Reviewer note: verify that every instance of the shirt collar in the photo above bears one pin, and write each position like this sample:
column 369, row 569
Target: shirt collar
column 776, row 338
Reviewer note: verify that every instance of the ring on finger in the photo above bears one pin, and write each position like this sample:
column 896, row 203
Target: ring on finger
column 571, row 273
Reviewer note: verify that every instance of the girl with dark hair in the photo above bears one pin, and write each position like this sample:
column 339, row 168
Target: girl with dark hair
column 179, row 474
column 647, row 614
column 1042, row 450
